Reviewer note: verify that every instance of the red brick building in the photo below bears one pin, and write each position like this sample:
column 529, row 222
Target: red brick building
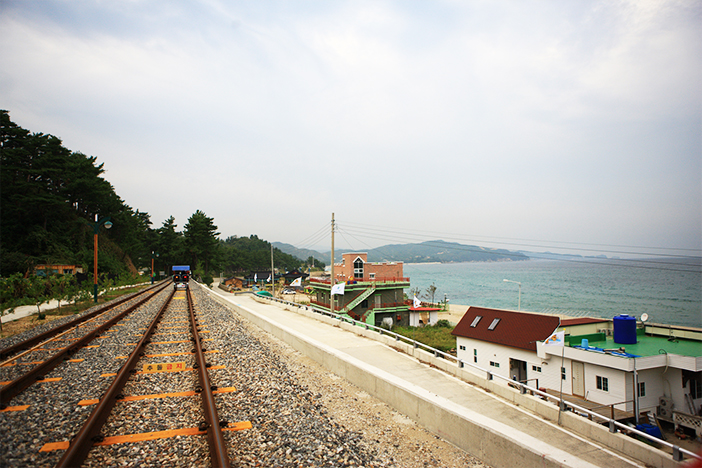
column 373, row 292
column 355, row 266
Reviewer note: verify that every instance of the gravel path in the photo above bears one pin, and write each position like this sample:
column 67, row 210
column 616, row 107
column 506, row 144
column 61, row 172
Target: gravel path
column 301, row 414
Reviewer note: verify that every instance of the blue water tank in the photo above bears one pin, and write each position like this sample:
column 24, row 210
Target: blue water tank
column 625, row 329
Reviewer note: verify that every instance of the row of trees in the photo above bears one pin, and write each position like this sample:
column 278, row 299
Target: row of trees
column 51, row 197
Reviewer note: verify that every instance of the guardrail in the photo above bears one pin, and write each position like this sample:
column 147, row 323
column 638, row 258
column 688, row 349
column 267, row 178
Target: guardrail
column 391, row 279
column 523, row 388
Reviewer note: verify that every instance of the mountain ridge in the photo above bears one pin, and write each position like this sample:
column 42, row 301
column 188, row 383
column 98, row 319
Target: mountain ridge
column 435, row 251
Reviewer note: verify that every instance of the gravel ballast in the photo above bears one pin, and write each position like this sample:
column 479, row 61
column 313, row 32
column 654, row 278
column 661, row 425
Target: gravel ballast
column 301, row 415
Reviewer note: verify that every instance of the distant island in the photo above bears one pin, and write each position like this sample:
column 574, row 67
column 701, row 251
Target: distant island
column 436, row 251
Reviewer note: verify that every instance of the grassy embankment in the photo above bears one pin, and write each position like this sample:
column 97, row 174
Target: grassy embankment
column 437, row 336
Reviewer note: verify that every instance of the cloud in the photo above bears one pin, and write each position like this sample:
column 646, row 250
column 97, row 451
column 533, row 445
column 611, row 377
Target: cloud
column 496, row 119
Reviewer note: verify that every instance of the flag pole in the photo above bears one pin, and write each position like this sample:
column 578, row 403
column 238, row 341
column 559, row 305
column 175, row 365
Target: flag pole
column 272, row 272
column 331, row 283
column 560, row 396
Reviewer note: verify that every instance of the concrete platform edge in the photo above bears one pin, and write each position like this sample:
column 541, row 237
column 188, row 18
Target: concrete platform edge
column 449, row 421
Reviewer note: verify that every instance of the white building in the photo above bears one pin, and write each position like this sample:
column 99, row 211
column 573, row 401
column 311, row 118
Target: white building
column 664, row 363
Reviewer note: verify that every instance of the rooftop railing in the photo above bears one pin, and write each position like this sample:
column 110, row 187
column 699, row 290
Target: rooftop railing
column 389, row 279
column 523, row 388
column 371, row 306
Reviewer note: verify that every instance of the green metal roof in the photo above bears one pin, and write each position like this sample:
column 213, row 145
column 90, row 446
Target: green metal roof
column 647, row 345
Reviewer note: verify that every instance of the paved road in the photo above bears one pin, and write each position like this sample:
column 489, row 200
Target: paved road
column 26, row 311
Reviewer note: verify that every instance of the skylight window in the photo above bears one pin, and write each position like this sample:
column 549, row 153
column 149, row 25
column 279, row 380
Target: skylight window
column 494, row 324
column 476, row 320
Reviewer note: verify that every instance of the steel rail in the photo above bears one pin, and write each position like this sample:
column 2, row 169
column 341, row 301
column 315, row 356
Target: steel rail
column 29, row 342
column 90, row 432
column 61, row 332
column 18, row 385
column 218, row 446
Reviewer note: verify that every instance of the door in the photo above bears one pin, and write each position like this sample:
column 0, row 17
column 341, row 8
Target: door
column 578, row 369
column 517, row 370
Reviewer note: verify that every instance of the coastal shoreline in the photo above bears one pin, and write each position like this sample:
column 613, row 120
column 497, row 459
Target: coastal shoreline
column 457, row 311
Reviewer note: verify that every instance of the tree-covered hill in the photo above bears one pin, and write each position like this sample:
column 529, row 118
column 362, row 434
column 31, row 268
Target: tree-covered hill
column 49, row 197
column 242, row 254
column 436, row 251
column 311, row 257
column 442, row 252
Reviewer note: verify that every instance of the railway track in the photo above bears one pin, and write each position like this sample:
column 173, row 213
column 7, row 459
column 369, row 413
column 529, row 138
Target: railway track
column 29, row 343
column 159, row 418
column 31, row 359
column 150, row 351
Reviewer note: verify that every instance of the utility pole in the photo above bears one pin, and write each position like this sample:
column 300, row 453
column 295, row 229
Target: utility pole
column 331, row 297
column 272, row 273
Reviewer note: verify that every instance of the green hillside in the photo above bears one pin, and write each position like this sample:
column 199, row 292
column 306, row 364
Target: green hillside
column 436, row 251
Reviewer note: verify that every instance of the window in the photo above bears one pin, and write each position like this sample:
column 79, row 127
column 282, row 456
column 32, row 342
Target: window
column 462, row 348
column 494, row 324
column 494, row 364
column 536, row 368
column 372, row 275
column 602, row 383
column 358, row 268
column 476, row 320
column 642, row 389
column 475, row 355
column 563, row 373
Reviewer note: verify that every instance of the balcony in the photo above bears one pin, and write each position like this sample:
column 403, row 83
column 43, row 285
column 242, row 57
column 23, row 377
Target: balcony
column 383, row 307
column 377, row 282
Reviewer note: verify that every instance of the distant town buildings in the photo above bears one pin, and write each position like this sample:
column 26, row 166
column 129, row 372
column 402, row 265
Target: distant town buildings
column 45, row 270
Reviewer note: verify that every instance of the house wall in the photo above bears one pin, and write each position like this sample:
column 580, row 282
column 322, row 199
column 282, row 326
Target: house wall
column 620, row 386
column 658, row 383
column 386, row 296
column 586, row 329
column 492, row 353
column 59, row 269
column 344, row 270
column 620, row 382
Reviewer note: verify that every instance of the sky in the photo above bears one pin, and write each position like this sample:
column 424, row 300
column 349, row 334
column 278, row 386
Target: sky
column 559, row 125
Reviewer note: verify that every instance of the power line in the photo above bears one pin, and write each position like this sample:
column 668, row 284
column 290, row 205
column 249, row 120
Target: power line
column 394, row 235
column 316, row 237
column 465, row 239
column 631, row 263
column 430, row 234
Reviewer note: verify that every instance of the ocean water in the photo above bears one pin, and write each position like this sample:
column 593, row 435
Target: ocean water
column 597, row 288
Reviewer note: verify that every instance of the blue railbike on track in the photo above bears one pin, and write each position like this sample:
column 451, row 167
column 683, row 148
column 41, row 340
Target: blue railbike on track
column 181, row 276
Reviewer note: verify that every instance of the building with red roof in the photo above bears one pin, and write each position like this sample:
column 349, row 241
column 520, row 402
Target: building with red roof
column 632, row 365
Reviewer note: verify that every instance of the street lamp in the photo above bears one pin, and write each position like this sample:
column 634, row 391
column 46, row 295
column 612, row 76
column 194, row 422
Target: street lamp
column 153, row 255
column 519, row 306
column 96, row 226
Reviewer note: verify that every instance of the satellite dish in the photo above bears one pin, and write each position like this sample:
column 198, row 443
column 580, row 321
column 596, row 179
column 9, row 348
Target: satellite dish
column 644, row 317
